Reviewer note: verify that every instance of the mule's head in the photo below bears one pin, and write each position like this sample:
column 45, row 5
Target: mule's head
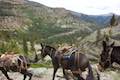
column 105, row 60
column 43, row 50
column 46, row 50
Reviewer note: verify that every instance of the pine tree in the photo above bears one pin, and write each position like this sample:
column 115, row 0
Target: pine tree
column 113, row 21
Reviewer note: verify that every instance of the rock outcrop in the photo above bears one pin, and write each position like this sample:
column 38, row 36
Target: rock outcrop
column 10, row 14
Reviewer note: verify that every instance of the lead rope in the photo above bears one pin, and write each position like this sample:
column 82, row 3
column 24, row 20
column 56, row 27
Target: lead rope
column 78, row 60
column 109, row 57
column 78, row 63
column 75, row 60
column 98, row 72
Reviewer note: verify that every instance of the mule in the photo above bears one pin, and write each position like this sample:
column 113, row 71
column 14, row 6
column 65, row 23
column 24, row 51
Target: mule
column 16, row 63
column 77, row 62
column 109, row 55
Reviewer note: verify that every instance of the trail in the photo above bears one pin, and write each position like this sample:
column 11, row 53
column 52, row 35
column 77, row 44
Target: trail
column 46, row 74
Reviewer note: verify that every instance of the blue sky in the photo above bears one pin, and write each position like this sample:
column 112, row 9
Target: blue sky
column 92, row 7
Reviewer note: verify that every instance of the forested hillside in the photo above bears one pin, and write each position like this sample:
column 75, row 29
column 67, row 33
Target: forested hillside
column 44, row 21
column 23, row 21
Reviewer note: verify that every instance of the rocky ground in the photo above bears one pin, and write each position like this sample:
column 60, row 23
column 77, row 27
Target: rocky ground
column 39, row 74
column 46, row 74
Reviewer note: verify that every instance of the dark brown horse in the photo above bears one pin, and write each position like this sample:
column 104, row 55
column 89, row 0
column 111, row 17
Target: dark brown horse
column 109, row 55
column 16, row 63
column 76, row 62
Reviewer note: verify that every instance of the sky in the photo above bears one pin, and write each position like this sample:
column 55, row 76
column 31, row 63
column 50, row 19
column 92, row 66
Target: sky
column 91, row 7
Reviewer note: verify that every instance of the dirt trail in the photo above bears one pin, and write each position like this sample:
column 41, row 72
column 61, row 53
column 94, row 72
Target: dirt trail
column 46, row 76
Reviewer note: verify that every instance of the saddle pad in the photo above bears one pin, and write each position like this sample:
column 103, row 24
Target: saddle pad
column 66, row 57
column 70, row 51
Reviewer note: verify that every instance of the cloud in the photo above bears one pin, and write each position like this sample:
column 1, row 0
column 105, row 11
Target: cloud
column 85, row 6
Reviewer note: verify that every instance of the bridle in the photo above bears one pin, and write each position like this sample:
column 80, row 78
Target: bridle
column 50, row 53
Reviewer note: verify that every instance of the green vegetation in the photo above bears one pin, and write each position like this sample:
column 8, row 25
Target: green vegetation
column 40, row 24
column 32, row 23
column 47, row 64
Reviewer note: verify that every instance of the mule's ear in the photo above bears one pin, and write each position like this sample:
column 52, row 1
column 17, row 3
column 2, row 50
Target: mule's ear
column 104, row 44
column 112, row 44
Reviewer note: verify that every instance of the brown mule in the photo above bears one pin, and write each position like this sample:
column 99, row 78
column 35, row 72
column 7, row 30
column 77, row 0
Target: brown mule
column 76, row 64
column 15, row 63
column 109, row 55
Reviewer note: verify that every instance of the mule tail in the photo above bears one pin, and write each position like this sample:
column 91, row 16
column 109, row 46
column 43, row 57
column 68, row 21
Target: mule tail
column 90, row 75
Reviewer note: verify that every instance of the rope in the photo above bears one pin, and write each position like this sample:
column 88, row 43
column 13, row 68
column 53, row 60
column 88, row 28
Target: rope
column 109, row 57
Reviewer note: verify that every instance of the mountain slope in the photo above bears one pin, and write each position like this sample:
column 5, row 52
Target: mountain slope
column 92, row 43
column 52, row 24
column 45, row 18
column 10, row 14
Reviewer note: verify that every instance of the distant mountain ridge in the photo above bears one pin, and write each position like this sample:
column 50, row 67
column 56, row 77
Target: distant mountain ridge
column 102, row 20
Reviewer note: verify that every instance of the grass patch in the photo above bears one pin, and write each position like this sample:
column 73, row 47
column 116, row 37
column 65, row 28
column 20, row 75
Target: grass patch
column 47, row 64
column 40, row 65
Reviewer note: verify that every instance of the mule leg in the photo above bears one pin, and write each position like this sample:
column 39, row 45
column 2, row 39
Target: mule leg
column 80, row 78
column 78, row 74
column 24, row 77
column 29, row 74
column 5, row 73
column 55, row 70
column 64, row 73
column 23, row 72
column 26, row 73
